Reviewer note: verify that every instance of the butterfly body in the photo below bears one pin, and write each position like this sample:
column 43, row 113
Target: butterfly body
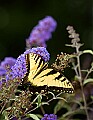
column 43, row 78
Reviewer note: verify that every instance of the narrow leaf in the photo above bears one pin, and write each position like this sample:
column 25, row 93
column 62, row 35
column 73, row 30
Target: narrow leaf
column 33, row 116
column 88, row 51
column 87, row 81
column 61, row 104
column 4, row 116
column 39, row 99
column 91, row 97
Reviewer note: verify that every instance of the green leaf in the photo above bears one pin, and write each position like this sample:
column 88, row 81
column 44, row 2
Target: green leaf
column 39, row 100
column 88, row 51
column 73, row 112
column 87, row 81
column 9, row 108
column 4, row 116
column 44, row 103
column 39, row 116
column 58, row 106
column 91, row 97
column 61, row 104
column 33, row 116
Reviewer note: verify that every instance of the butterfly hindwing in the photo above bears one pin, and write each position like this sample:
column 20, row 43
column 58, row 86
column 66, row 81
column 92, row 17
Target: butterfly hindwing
column 53, row 80
column 39, row 75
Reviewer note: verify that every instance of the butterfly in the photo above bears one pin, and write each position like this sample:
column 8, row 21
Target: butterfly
column 41, row 77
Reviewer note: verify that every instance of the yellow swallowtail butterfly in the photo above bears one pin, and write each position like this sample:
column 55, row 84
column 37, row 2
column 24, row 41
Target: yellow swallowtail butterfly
column 43, row 78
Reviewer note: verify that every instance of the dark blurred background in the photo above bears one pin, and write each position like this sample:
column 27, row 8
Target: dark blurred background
column 18, row 17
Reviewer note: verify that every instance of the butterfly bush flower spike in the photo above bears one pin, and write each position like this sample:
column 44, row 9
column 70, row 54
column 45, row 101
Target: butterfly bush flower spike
column 41, row 33
column 6, row 65
column 8, row 62
column 49, row 117
column 19, row 69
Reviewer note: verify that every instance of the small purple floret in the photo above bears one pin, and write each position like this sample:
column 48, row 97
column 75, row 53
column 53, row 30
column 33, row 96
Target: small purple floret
column 49, row 117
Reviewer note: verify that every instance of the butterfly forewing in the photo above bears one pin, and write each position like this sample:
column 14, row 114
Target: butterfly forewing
column 34, row 65
column 40, row 75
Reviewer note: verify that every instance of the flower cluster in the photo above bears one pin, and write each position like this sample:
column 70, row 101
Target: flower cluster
column 49, row 117
column 41, row 33
column 8, row 61
column 19, row 69
column 75, row 38
column 61, row 62
column 41, row 51
column 21, row 104
column 6, row 65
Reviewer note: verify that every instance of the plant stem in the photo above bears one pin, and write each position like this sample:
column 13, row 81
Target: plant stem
column 72, row 112
column 3, row 107
column 81, row 84
column 42, row 109
column 84, row 99
column 88, row 73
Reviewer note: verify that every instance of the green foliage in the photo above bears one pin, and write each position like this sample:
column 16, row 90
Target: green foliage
column 88, row 51
column 87, row 81
column 4, row 116
column 33, row 116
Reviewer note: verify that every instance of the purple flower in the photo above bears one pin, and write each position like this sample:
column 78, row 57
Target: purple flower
column 19, row 70
column 2, row 76
column 8, row 62
column 49, row 117
column 6, row 65
column 48, row 23
column 2, row 71
column 41, row 32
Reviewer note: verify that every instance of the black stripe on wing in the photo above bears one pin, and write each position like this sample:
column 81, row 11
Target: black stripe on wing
column 45, row 88
column 41, row 61
column 50, row 73
column 60, row 89
column 36, row 58
column 25, row 79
